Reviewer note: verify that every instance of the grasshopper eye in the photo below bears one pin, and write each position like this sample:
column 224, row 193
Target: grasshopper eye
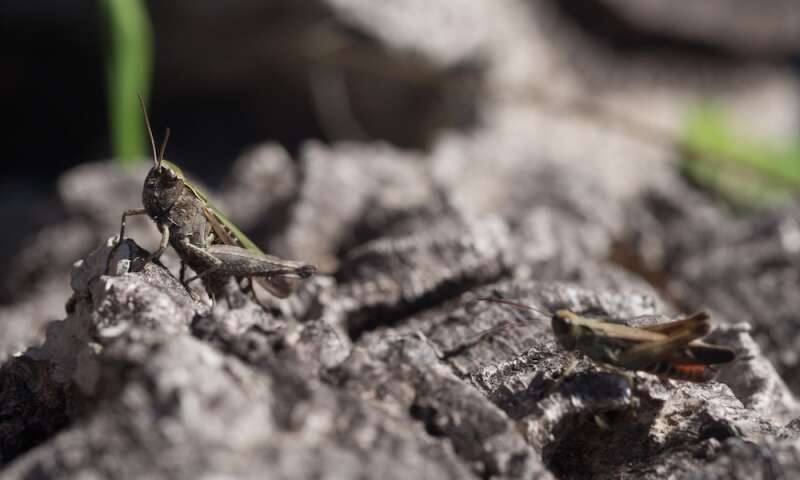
column 561, row 324
column 563, row 327
column 170, row 173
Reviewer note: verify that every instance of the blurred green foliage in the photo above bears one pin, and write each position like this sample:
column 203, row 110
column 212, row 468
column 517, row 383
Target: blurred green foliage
column 129, row 68
column 746, row 172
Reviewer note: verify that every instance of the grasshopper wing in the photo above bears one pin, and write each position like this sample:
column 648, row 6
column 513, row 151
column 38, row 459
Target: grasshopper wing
column 698, row 351
column 646, row 355
column 679, row 355
column 674, row 326
column 280, row 287
column 226, row 231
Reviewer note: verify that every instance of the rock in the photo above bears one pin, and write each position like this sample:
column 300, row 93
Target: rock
column 389, row 365
column 394, row 276
column 406, row 377
column 233, row 423
column 145, row 395
column 382, row 187
column 93, row 197
column 262, row 184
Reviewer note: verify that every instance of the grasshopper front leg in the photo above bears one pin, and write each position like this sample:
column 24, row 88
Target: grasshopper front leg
column 123, row 222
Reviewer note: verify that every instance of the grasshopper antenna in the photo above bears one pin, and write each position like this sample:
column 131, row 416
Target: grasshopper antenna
column 515, row 304
column 163, row 147
column 150, row 132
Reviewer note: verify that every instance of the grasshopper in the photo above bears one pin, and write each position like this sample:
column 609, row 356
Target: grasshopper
column 210, row 244
column 670, row 350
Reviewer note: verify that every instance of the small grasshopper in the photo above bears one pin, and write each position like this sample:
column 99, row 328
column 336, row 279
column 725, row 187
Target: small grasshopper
column 670, row 350
column 203, row 237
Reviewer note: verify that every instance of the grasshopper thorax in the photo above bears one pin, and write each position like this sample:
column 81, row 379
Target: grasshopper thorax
column 564, row 329
column 163, row 186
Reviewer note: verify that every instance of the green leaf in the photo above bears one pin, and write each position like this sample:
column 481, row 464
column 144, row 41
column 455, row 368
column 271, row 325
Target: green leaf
column 747, row 172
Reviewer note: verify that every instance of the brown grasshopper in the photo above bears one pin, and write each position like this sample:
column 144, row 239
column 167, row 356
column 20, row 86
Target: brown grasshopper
column 670, row 350
column 203, row 237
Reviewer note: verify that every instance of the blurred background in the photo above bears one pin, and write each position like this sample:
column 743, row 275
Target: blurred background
column 621, row 95
column 223, row 77
column 226, row 77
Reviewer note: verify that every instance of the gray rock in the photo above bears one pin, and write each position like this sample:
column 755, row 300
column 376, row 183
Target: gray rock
column 233, row 423
column 93, row 197
column 405, row 376
column 385, row 366
column 136, row 387
column 262, row 184
column 382, row 187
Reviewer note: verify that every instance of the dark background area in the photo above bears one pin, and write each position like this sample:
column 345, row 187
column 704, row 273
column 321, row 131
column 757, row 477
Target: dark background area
column 53, row 93
column 226, row 78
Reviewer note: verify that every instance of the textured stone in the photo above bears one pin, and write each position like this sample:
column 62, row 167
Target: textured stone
column 405, row 376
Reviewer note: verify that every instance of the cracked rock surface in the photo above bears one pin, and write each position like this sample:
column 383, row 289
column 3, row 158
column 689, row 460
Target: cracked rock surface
column 383, row 367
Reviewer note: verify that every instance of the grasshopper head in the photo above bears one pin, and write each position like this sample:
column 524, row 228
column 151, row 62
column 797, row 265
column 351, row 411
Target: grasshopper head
column 564, row 329
column 162, row 188
column 163, row 185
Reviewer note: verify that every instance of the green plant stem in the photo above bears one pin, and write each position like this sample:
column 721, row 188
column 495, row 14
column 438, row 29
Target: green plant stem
column 129, row 67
